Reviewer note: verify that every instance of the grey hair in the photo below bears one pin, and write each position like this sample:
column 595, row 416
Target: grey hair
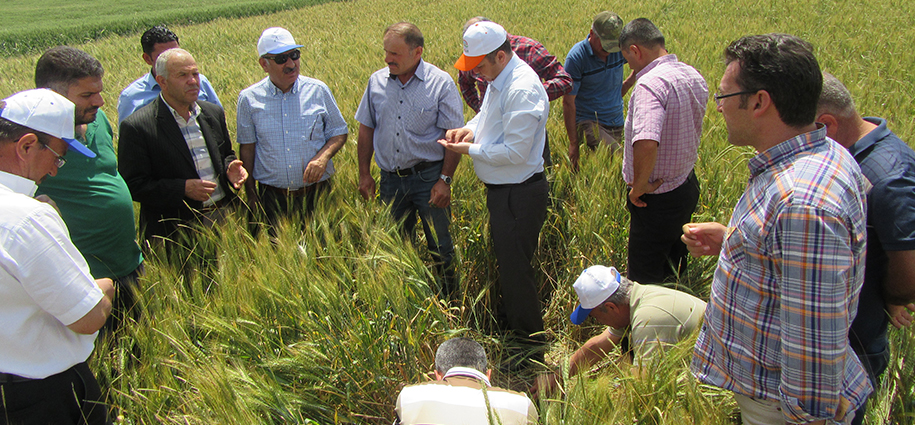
column 835, row 98
column 162, row 61
column 474, row 20
column 460, row 352
column 621, row 296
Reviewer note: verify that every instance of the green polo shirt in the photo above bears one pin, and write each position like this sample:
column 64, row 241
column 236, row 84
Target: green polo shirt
column 96, row 205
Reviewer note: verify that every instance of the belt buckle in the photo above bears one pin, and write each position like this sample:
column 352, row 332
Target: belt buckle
column 398, row 171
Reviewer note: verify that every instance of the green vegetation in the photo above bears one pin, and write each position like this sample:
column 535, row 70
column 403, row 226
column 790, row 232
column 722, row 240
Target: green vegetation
column 326, row 325
column 25, row 26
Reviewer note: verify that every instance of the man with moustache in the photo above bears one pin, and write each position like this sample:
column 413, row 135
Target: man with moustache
column 89, row 185
column 176, row 155
column 50, row 306
column 145, row 89
column 405, row 110
column 289, row 128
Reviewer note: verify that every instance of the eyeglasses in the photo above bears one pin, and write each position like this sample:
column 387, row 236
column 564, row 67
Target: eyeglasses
column 719, row 96
column 60, row 159
column 282, row 58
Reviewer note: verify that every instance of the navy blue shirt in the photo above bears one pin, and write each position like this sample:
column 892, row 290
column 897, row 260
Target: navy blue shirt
column 889, row 165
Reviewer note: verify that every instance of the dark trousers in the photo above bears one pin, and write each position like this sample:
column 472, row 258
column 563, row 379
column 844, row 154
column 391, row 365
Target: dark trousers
column 656, row 253
column 275, row 204
column 408, row 197
column 70, row 397
column 516, row 214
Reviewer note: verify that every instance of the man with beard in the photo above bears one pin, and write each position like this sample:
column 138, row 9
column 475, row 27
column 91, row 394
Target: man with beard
column 89, row 185
column 289, row 128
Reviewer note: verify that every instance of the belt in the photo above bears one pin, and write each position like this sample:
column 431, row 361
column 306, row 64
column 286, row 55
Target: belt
column 294, row 193
column 403, row 172
column 532, row 179
column 9, row 378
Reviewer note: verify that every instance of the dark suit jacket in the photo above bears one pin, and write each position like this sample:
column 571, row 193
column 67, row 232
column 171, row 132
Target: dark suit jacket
column 155, row 161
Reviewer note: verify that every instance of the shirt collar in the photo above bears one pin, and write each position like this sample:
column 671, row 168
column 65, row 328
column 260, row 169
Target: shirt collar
column 670, row 57
column 18, row 184
column 467, row 372
column 870, row 138
column 787, row 149
column 502, row 79
column 151, row 80
column 588, row 45
column 276, row 90
column 195, row 110
column 419, row 74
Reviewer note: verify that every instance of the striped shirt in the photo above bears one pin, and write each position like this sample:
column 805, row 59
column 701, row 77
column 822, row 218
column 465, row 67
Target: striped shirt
column 410, row 118
column 199, row 152
column 787, row 283
column 667, row 106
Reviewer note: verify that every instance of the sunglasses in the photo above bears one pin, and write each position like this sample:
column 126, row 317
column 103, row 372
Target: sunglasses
column 282, row 58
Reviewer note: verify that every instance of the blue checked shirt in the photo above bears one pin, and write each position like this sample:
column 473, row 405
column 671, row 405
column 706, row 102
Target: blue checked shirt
column 288, row 128
column 199, row 152
column 410, row 118
column 787, row 283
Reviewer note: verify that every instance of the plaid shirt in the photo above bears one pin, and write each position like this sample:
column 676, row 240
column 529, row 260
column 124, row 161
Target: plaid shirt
column 787, row 283
column 556, row 80
column 193, row 136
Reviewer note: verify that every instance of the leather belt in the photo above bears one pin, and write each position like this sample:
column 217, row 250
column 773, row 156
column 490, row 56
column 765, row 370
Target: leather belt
column 532, row 179
column 294, row 193
column 403, row 172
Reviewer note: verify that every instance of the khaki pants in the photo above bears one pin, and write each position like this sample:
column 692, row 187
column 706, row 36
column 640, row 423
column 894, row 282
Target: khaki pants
column 594, row 134
column 768, row 412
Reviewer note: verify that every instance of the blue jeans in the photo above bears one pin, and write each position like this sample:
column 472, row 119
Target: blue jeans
column 408, row 197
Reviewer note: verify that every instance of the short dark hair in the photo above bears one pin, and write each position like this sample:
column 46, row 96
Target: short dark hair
column 11, row 132
column 835, row 98
column 410, row 33
column 784, row 66
column 62, row 66
column 155, row 35
column 505, row 47
column 460, row 352
column 474, row 20
column 642, row 32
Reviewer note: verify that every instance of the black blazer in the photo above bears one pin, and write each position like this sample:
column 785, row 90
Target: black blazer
column 155, row 161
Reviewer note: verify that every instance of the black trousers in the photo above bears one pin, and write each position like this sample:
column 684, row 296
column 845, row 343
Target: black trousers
column 516, row 214
column 656, row 253
column 70, row 397
column 275, row 205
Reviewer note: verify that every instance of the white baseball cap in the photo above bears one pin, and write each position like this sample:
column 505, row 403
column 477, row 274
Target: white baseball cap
column 45, row 111
column 480, row 39
column 275, row 40
column 594, row 286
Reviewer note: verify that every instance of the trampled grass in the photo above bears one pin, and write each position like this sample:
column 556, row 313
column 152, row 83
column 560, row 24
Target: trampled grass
column 326, row 325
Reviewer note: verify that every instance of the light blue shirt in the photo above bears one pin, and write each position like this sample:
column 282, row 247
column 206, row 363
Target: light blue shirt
column 288, row 128
column 410, row 118
column 145, row 89
column 510, row 130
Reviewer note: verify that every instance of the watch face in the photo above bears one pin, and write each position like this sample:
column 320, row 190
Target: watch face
column 446, row 179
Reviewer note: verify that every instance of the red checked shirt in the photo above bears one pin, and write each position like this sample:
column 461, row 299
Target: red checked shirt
column 556, row 80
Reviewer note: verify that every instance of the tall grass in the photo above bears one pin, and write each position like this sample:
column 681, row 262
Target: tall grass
column 326, row 324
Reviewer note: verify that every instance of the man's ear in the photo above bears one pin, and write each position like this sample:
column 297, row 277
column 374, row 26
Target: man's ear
column 263, row 63
column 760, row 102
column 148, row 59
column 832, row 124
column 438, row 375
column 489, row 374
column 26, row 144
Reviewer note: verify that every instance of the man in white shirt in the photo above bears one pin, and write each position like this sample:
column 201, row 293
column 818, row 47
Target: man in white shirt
column 50, row 306
column 506, row 140
column 462, row 393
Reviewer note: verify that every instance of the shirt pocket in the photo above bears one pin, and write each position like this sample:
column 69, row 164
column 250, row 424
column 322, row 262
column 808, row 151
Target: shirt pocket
column 422, row 113
column 313, row 126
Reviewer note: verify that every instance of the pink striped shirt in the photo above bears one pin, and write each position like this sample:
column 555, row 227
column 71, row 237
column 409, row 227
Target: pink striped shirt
column 667, row 106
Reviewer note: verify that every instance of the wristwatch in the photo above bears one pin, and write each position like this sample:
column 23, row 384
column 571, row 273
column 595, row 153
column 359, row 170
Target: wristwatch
column 446, row 179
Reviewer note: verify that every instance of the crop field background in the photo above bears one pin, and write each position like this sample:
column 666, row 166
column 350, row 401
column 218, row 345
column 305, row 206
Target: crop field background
column 327, row 324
